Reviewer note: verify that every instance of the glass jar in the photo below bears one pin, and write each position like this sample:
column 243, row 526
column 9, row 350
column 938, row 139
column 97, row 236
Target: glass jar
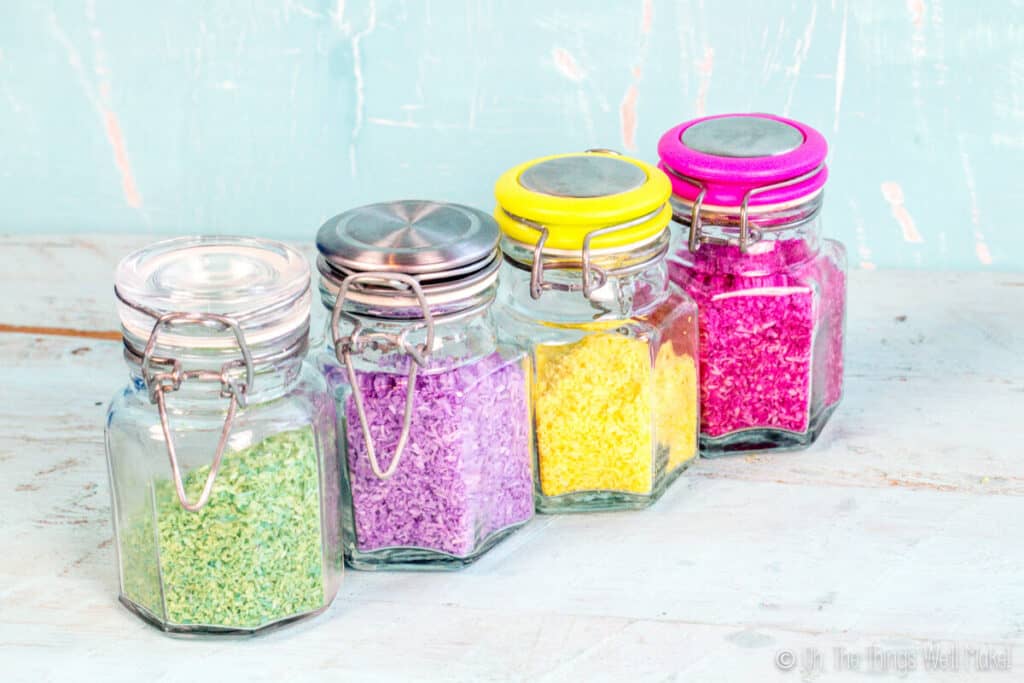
column 223, row 471
column 433, row 417
column 585, row 286
column 747, row 191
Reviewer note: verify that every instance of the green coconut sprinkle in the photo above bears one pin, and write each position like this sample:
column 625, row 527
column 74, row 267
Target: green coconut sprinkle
column 138, row 557
column 252, row 555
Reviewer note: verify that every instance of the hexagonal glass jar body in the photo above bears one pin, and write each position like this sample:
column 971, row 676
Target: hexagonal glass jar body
column 772, row 323
column 614, row 392
column 463, row 482
column 264, row 550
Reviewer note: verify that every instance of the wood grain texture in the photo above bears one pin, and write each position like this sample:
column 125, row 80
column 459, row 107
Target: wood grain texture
column 900, row 527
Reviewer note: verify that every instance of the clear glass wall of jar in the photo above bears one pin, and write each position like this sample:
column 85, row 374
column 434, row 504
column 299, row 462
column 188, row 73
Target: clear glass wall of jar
column 220, row 449
column 436, row 440
column 586, row 288
column 771, row 291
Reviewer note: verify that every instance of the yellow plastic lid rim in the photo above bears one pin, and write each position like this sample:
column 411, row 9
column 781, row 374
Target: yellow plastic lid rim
column 569, row 219
column 594, row 252
column 570, row 237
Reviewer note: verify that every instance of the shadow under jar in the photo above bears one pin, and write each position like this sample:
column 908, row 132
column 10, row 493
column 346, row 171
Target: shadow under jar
column 434, row 425
column 585, row 287
column 747, row 191
column 220, row 450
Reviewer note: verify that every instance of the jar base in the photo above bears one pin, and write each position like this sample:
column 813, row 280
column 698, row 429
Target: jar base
column 608, row 501
column 760, row 440
column 199, row 631
column 422, row 559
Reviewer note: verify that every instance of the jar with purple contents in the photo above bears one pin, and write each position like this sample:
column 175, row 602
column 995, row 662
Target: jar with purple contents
column 434, row 426
column 747, row 191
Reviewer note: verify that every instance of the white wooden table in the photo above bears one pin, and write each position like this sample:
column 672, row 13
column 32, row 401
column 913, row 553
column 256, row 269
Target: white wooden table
column 903, row 525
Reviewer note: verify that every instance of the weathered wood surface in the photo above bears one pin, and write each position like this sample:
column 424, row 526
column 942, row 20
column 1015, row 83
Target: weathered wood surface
column 901, row 526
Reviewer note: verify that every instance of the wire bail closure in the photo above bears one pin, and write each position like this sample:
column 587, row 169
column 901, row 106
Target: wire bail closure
column 593, row 277
column 356, row 341
column 159, row 384
column 744, row 241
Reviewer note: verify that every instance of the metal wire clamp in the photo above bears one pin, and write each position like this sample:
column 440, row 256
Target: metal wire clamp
column 593, row 277
column 744, row 241
column 159, row 384
column 345, row 345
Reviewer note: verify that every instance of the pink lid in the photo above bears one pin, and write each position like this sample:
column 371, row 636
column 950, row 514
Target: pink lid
column 731, row 154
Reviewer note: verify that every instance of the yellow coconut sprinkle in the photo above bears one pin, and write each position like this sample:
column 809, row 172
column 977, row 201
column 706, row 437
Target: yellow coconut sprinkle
column 601, row 410
column 675, row 405
column 594, row 416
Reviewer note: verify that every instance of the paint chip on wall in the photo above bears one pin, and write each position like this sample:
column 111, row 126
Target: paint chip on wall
column 567, row 65
column 892, row 192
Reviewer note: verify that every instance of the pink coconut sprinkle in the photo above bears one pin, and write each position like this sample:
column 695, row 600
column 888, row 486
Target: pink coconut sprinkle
column 771, row 333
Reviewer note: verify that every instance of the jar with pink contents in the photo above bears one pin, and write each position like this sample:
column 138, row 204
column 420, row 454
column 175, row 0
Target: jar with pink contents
column 747, row 192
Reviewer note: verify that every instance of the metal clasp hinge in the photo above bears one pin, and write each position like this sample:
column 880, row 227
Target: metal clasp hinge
column 748, row 235
column 357, row 340
column 159, row 384
column 593, row 277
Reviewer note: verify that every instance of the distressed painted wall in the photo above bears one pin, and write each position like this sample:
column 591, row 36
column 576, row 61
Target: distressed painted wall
column 267, row 117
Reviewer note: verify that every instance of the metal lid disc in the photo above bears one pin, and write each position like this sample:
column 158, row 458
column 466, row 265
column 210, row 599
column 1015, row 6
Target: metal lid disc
column 408, row 236
column 742, row 137
column 583, row 176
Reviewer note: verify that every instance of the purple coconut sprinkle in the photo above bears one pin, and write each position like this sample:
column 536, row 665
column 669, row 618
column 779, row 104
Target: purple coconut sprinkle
column 466, row 471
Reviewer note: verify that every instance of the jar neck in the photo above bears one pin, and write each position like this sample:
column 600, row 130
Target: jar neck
column 444, row 297
column 457, row 339
column 616, row 284
column 620, row 297
column 777, row 240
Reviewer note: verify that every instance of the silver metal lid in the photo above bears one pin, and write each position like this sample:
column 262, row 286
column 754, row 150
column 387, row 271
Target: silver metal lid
column 742, row 137
column 449, row 251
column 408, row 236
column 583, row 176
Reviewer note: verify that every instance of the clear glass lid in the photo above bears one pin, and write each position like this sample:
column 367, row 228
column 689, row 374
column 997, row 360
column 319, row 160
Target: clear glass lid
column 262, row 285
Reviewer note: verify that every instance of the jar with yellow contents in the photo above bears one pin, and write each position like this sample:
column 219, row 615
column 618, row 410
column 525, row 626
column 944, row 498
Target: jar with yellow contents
column 585, row 286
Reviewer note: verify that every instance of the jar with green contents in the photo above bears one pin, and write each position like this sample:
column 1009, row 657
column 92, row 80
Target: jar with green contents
column 585, row 286
column 221, row 448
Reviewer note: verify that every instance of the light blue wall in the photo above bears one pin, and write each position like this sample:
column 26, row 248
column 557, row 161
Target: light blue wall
column 267, row 117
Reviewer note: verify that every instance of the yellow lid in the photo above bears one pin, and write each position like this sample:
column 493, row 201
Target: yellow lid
column 574, row 194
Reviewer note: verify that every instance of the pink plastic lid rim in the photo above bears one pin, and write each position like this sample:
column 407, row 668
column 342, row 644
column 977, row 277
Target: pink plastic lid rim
column 728, row 179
